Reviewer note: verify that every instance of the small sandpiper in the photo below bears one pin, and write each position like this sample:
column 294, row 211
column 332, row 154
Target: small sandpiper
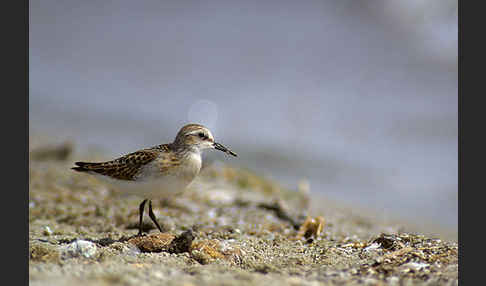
column 158, row 171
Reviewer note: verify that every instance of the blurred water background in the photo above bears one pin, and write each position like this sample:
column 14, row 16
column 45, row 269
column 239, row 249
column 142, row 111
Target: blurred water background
column 357, row 97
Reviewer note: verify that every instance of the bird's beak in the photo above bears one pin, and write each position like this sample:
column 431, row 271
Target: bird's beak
column 220, row 147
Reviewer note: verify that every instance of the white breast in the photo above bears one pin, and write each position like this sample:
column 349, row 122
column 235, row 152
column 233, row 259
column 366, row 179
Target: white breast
column 193, row 163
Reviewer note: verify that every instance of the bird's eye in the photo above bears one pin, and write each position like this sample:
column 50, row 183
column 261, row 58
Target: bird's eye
column 201, row 135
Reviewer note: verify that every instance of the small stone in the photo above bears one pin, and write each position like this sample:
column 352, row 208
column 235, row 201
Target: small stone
column 182, row 243
column 387, row 241
column 153, row 243
column 373, row 246
column 414, row 266
column 206, row 250
column 79, row 248
column 312, row 227
column 47, row 230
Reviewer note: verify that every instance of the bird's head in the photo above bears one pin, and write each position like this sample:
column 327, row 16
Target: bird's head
column 198, row 137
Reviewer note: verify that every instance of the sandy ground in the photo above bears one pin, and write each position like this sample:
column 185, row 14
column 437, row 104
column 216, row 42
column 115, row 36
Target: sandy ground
column 231, row 227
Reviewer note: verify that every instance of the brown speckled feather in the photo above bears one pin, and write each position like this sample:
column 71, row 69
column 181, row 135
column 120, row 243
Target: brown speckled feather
column 127, row 167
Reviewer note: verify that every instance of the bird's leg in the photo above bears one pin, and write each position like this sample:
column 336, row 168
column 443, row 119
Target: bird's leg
column 141, row 208
column 152, row 216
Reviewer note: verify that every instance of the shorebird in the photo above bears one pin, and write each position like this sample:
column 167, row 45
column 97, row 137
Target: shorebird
column 160, row 171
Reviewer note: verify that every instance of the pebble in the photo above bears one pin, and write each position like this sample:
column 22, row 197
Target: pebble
column 414, row 266
column 373, row 246
column 79, row 248
column 47, row 230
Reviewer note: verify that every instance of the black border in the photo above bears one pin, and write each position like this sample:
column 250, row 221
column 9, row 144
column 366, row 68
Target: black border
column 471, row 183
column 15, row 140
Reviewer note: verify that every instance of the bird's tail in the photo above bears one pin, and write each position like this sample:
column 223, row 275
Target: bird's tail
column 85, row 166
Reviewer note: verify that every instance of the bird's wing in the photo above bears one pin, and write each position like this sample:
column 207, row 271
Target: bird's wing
column 123, row 168
column 168, row 161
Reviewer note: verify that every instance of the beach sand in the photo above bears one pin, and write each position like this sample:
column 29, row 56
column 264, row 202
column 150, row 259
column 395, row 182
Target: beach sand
column 231, row 227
